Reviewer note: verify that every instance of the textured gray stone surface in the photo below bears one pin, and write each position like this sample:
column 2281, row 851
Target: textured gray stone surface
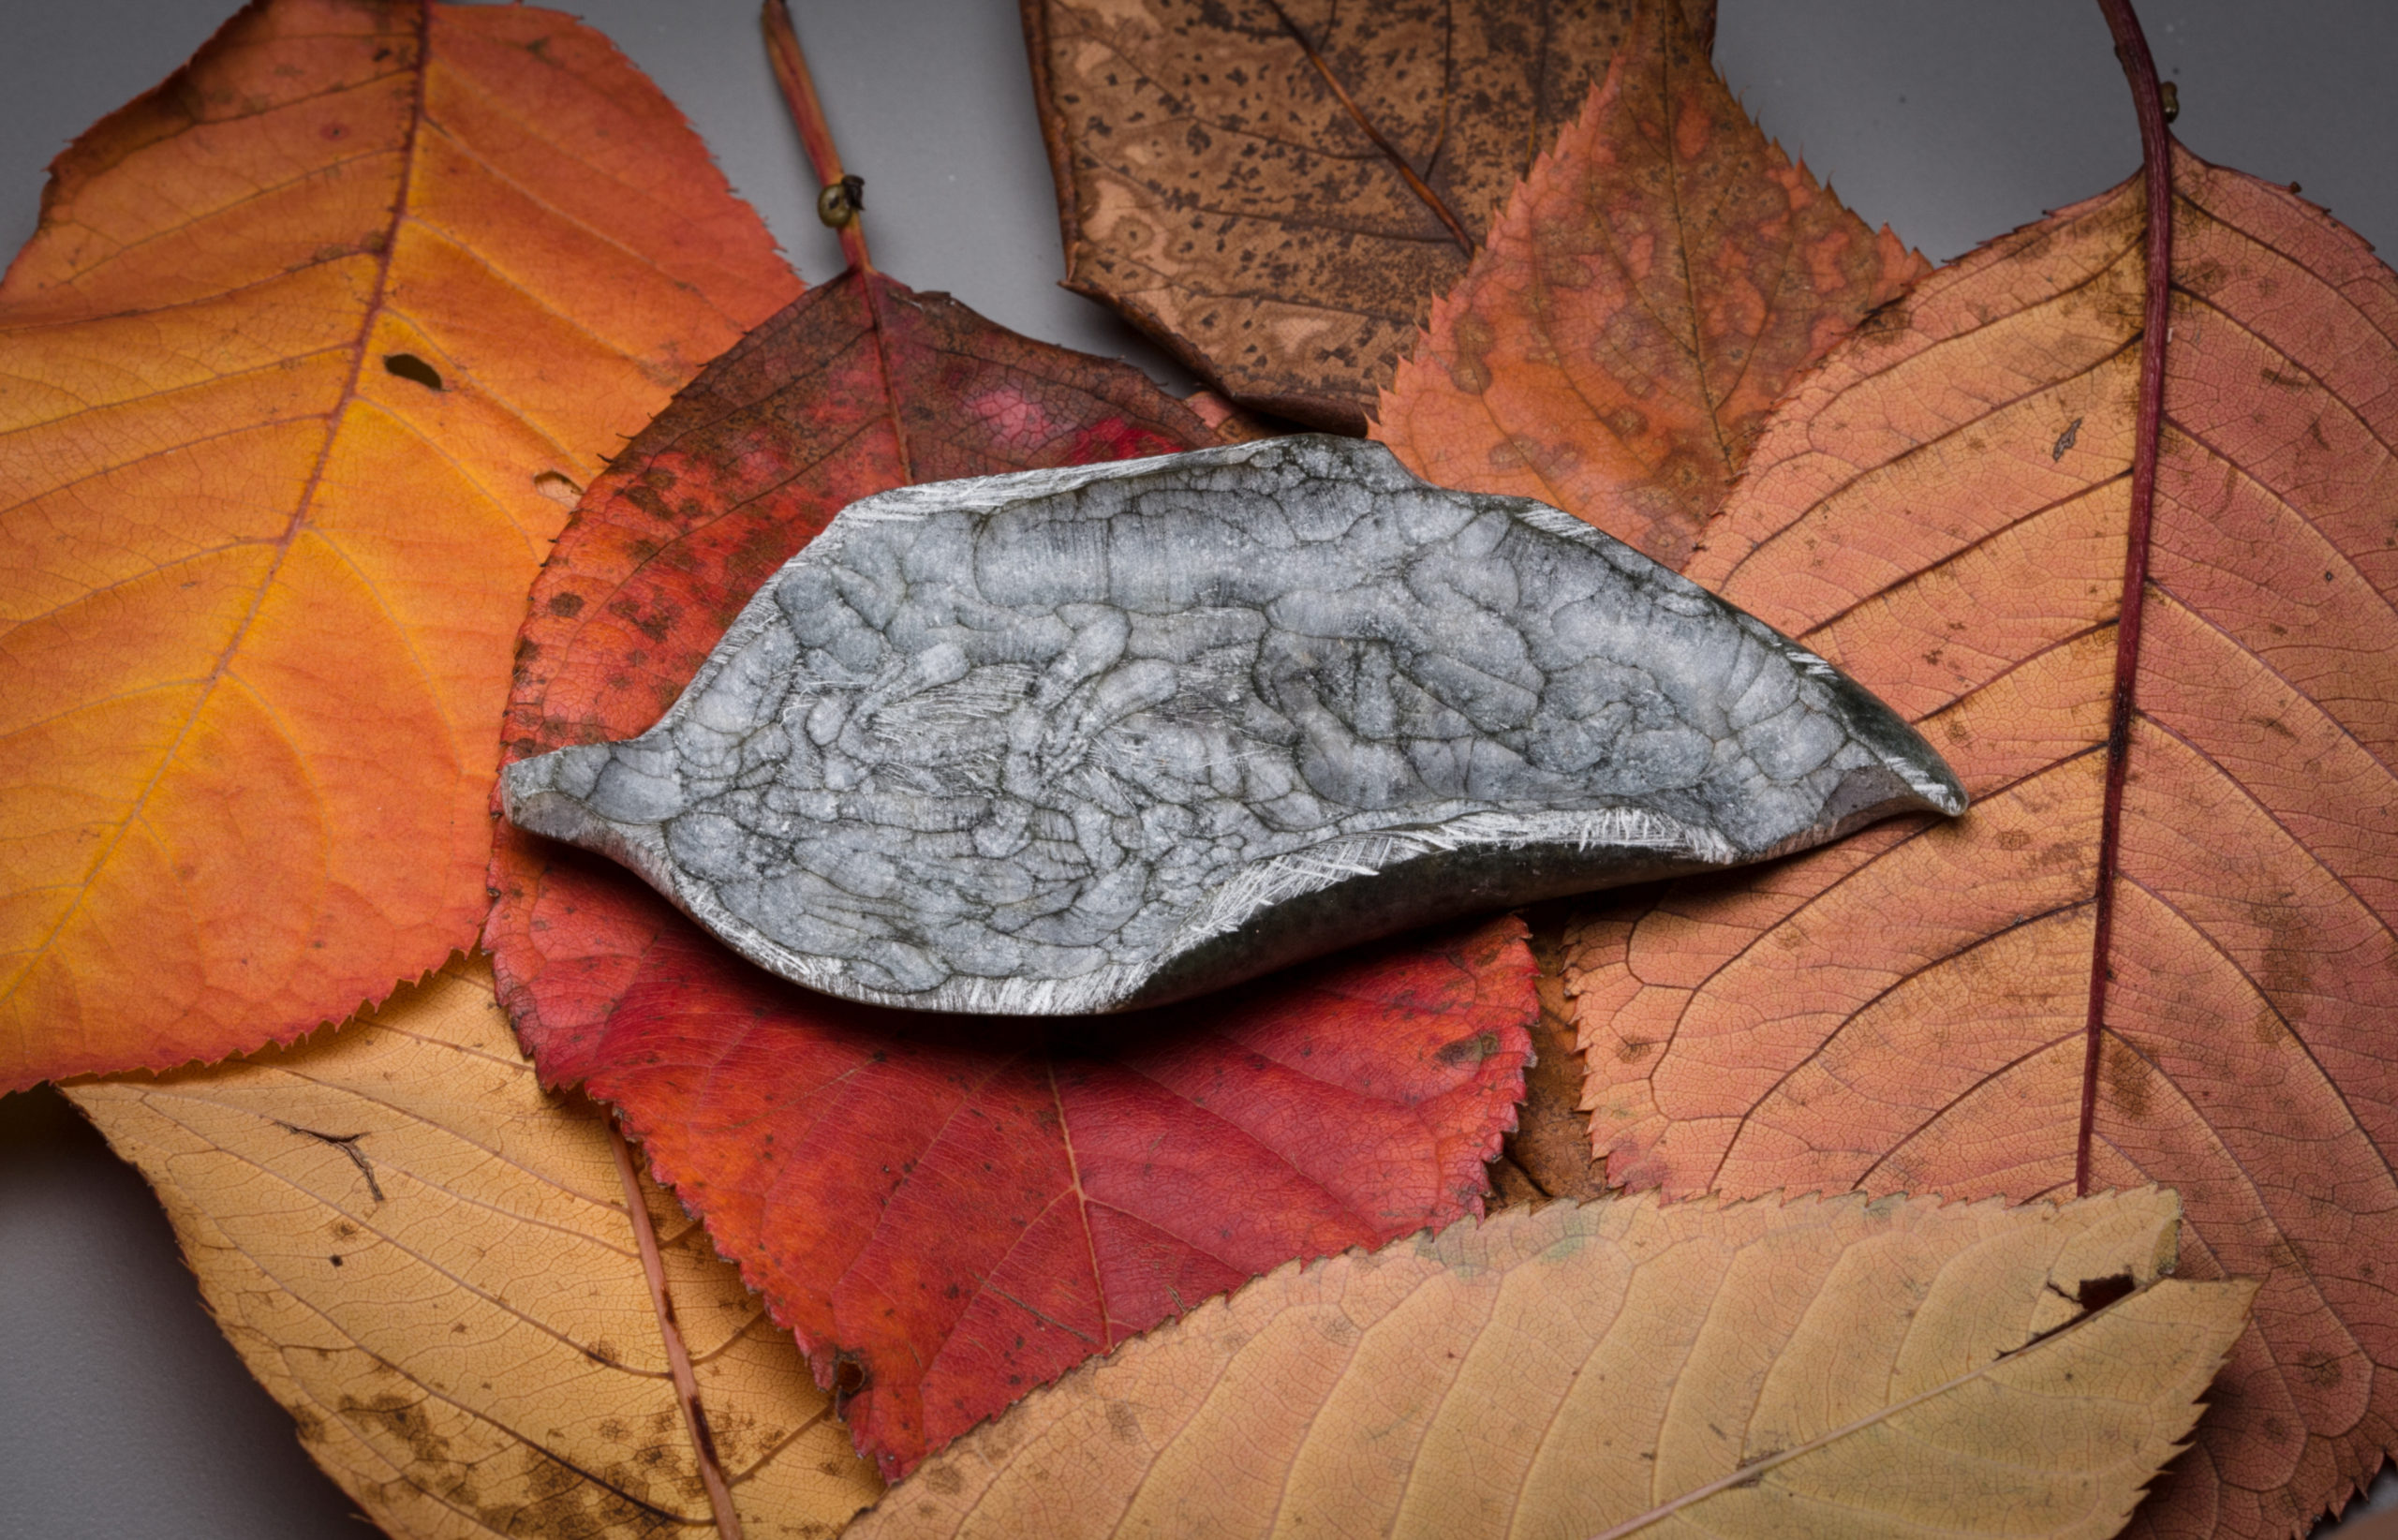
column 1082, row 740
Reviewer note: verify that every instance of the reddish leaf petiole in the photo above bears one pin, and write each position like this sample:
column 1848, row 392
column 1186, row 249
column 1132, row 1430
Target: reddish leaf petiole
column 2157, row 151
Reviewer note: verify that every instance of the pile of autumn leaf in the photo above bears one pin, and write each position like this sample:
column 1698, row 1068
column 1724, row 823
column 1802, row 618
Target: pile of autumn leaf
column 319, row 344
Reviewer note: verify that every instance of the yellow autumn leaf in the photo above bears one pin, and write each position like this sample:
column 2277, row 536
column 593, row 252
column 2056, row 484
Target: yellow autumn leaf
column 434, row 1265
column 1838, row 1368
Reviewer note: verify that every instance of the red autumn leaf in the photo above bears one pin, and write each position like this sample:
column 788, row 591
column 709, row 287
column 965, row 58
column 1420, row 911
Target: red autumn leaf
column 951, row 1210
column 1654, row 285
column 948, row 1210
column 2164, row 945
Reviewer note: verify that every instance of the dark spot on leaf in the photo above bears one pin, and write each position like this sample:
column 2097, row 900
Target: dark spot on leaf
column 2127, row 1080
column 403, row 1419
column 1756, row 1468
column 566, row 606
column 1885, row 323
column 409, row 366
column 702, row 1433
column 1469, row 1050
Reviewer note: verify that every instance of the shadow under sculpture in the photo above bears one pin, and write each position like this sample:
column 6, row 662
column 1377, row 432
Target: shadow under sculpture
column 1090, row 739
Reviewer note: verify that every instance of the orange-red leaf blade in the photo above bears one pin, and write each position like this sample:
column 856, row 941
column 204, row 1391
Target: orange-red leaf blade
column 1946, row 512
column 1654, row 285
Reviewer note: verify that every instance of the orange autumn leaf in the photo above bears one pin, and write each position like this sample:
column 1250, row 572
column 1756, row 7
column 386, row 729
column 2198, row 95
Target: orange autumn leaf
column 1654, row 285
column 1973, row 1009
column 313, row 343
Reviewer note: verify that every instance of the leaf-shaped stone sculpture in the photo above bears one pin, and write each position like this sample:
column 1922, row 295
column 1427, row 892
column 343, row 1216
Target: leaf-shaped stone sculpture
column 1094, row 738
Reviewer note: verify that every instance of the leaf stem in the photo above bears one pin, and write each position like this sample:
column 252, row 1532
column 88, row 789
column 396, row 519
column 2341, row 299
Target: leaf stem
column 2157, row 165
column 807, row 115
column 679, row 1358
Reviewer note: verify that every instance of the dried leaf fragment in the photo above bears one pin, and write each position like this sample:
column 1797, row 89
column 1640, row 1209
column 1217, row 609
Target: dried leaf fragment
column 430, row 1262
column 1654, row 285
column 1829, row 1368
column 1548, row 1153
column 1944, row 509
column 298, row 332
column 1275, row 190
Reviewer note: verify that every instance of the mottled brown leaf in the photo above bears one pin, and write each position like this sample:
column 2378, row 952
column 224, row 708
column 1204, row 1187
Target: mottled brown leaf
column 1275, row 190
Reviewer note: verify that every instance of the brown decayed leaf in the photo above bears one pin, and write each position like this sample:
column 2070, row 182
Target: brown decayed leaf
column 307, row 341
column 1654, row 287
column 433, row 1266
column 1274, row 189
column 1548, row 1153
column 1829, row 1368
column 1944, row 511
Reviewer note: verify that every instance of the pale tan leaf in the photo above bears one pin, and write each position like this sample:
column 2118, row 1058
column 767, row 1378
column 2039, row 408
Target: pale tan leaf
column 1841, row 1368
column 432, row 1264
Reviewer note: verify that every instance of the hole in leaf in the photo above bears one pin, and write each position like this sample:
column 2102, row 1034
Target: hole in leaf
column 557, row 489
column 409, row 366
column 2096, row 1294
column 850, row 1376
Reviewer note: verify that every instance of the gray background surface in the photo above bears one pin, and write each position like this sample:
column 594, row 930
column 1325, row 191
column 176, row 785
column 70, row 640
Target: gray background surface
column 123, row 1414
